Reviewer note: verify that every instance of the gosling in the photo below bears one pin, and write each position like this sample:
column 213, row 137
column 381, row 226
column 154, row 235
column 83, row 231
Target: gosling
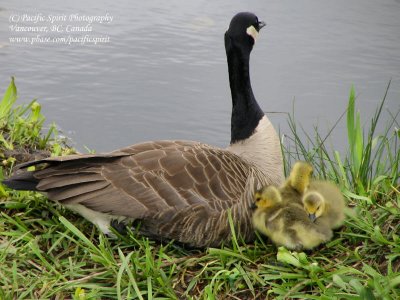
column 324, row 204
column 286, row 224
column 297, row 183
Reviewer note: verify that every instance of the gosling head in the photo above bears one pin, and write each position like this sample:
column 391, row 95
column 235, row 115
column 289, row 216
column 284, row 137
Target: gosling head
column 300, row 176
column 314, row 204
column 243, row 31
column 267, row 197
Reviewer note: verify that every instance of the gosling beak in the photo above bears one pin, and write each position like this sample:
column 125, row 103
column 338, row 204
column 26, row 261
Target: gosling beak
column 261, row 24
column 312, row 217
column 253, row 206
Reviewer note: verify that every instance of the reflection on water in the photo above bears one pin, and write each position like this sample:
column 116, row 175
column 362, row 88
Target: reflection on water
column 164, row 75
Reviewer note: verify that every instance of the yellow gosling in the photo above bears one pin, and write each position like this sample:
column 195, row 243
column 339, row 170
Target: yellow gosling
column 286, row 224
column 297, row 182
column 324, row 203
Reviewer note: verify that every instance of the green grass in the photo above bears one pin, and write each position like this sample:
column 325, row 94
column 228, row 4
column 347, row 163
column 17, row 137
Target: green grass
column 47, row 252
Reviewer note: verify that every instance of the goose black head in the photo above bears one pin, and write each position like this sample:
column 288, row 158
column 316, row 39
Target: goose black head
column 239, row 40
column 243, row 31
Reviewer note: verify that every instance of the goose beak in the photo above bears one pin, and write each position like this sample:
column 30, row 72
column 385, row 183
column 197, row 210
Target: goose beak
column 312, row 217
column 261, row 24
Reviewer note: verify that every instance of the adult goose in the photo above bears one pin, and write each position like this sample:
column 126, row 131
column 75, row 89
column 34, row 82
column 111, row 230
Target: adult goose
column 178, row 190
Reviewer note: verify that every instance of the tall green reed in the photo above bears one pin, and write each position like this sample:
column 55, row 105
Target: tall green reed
column 371, row 156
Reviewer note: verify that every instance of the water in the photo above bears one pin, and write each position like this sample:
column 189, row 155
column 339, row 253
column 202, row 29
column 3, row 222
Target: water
column 163, row 75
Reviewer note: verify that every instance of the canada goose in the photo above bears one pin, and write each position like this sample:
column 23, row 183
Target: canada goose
column 297, row 182
column 324, row 203
column 285, row 223
column 178, row 190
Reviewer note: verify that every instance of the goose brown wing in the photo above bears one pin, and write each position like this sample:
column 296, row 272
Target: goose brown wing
column 130, row 150
column 145, row 179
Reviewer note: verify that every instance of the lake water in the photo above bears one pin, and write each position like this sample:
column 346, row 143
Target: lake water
column 163, row 74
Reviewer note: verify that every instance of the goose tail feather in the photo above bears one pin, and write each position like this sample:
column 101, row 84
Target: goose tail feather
column 24, row 181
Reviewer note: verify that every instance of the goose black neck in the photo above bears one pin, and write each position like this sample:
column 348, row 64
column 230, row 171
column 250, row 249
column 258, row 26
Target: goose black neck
column 246, row 112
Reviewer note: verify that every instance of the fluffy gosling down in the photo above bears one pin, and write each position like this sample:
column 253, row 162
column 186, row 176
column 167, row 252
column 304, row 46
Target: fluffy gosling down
column 286, row 224
column 322, row 200
column 324, row 204
column 297, row 182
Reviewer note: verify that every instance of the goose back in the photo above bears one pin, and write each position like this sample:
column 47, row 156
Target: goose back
column 179, row 190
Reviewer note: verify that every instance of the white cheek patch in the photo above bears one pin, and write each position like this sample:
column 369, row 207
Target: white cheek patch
column 251, row 31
